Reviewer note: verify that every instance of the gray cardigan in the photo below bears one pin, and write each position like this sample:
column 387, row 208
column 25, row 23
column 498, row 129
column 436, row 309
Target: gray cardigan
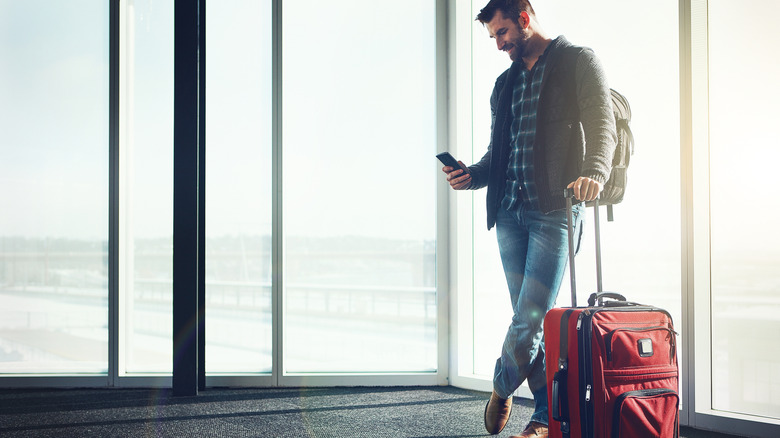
column 575, row 128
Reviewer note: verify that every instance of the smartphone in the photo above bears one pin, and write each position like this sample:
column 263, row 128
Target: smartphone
column 448, row 160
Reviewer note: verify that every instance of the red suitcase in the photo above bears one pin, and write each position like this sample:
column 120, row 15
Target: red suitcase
column 611, row 367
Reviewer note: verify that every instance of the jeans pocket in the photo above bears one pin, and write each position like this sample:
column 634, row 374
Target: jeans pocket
column 579, row 228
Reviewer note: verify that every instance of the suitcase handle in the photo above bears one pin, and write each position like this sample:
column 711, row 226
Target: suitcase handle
column 599, row 298
column 560, row 400
column 569, row 194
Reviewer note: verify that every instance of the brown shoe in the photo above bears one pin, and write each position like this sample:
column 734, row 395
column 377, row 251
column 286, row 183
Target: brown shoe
column 533, row 430
column 497, row 413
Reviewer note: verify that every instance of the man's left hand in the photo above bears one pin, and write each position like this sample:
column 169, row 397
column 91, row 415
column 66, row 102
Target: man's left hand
column 586, row 189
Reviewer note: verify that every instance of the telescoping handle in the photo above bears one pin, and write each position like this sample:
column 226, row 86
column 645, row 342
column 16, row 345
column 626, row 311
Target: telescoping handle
column 569, row 194
column 598, row 297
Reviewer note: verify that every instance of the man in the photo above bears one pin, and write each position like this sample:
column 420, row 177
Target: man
column 552, row 128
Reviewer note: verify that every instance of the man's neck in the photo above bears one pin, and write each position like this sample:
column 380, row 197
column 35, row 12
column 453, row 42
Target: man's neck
column 538, row 44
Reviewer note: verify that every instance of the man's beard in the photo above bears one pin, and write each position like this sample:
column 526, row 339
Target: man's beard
column 520, row 45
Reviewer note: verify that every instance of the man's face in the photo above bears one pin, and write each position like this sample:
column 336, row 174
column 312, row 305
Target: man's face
column 510, row 36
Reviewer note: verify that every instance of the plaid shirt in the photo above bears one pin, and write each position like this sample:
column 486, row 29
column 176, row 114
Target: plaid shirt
column 520, row 171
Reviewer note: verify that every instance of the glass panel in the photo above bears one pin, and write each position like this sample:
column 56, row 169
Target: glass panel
column 146, row 187
column 359, row 186
column 54, row 174
column 238, row 186
column 492, row 308
column 641, row 248
column 745, row 251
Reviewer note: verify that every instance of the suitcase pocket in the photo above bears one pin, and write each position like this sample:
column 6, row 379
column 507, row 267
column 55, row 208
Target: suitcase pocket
column 646, row 413
column 640, row 346
column 618, row 382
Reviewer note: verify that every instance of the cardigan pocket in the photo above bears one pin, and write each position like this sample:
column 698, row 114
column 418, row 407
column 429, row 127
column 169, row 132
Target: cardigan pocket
column 564, row 152
column 563, row 139
column 557, row 113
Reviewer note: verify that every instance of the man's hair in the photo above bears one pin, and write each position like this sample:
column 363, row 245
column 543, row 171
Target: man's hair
column 509, row 8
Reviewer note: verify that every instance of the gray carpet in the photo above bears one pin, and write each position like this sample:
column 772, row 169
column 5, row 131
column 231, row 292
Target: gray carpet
column 273, row 412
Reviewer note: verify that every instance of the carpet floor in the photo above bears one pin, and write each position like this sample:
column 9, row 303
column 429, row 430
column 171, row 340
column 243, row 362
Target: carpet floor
column 409, row 412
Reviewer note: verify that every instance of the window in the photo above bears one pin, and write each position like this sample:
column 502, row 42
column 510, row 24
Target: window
column 146, row 187
column 317, row 261
column 238, row 187
column 359, row 139
column 54, row 174
column 745, row 250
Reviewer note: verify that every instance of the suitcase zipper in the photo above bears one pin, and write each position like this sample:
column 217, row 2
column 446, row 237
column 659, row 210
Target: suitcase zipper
column 661, row 372
column 586, row 371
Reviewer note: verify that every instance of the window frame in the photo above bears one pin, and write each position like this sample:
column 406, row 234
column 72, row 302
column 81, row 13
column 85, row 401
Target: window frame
column 116, row 378
column 695, row 245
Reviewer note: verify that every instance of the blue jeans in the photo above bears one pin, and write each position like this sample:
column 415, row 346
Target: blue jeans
column 534, row 251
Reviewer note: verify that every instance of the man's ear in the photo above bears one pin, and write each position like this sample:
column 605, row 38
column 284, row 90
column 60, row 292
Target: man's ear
column 524, row 20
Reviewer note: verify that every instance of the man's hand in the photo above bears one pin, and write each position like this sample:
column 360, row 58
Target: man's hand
column 586, row 189
column 458, row 178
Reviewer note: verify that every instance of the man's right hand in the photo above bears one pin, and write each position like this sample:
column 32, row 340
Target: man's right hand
column 458, row 178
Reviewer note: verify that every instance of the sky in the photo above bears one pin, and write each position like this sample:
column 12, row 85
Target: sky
column 54, row 100
column 54, row 118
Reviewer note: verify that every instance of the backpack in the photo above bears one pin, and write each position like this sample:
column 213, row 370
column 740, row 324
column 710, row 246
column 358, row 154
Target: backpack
column 615, row 187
